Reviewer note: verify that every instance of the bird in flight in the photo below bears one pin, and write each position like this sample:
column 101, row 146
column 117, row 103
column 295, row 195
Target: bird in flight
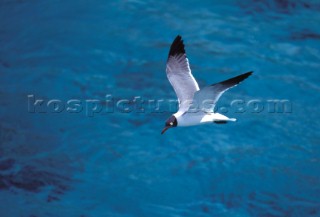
column 196, row 106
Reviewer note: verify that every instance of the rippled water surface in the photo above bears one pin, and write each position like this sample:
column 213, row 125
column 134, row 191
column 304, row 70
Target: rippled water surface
column 116, row 164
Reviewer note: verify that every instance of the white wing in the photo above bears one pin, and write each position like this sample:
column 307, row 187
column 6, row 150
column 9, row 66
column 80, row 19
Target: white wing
column 206, row 98
column 179, row 74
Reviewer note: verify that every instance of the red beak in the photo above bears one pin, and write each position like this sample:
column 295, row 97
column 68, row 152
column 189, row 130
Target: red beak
column 165, row 129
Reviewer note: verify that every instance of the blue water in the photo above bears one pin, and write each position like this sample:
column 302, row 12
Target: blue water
column 118, row 164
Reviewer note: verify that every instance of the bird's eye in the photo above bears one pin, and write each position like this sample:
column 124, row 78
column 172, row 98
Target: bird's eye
column 171, row 123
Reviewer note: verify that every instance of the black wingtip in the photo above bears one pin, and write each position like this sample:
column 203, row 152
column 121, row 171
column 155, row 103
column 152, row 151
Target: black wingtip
column 177, row 47
column 237, row 79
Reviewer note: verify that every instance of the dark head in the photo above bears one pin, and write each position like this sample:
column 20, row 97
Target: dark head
column 171, row 122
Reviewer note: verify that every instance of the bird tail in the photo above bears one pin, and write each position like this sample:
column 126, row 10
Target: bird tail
column 232, row 119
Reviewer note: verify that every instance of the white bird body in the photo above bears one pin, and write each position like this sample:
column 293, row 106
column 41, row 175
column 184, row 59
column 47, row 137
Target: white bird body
column 191, row 119
column 196, row 106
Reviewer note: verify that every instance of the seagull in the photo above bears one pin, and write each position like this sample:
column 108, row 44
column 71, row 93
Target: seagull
column 196, row 106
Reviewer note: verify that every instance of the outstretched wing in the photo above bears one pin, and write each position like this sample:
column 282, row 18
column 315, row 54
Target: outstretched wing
column 179, row 74
column 206, row 98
